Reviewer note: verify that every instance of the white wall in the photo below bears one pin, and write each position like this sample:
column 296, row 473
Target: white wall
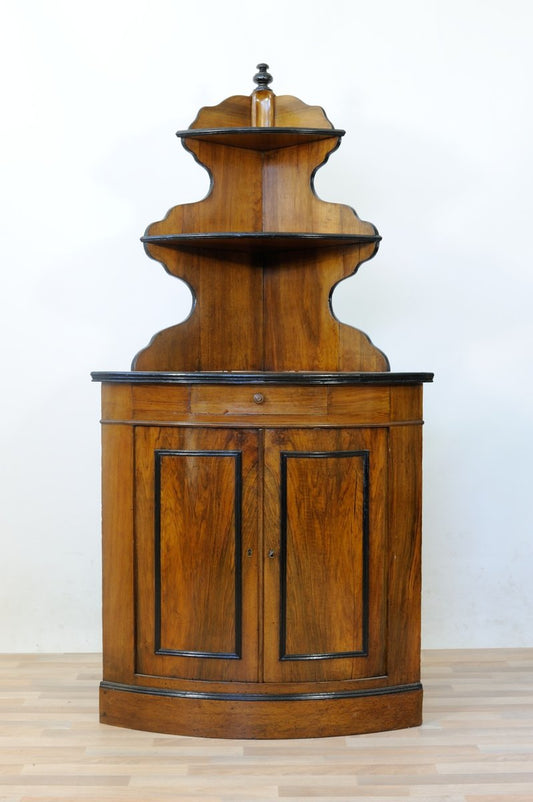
column 436, row 101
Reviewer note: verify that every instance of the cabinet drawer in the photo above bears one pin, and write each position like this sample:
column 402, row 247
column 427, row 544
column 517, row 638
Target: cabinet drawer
column 258, row 400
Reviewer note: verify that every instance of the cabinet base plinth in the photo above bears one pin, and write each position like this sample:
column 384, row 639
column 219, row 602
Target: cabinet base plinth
column 392, row 708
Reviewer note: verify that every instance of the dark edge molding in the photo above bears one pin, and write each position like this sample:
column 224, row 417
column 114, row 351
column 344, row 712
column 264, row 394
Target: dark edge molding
column 271, row 131
column 262, row 236
column 366, row 549
column 257, row 240
column 259, row 377
column 284, row 457
column 259, row 697
column 158, row 456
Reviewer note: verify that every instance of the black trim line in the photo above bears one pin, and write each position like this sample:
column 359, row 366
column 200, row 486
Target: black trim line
column 270, row 133
column 364, row 455
column 250, row 241
column 259, row 377
column 159, row 455
column 259, row 697
column 247, row 129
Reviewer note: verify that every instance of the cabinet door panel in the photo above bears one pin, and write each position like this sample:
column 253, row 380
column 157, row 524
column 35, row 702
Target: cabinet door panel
column 323, row 493
column 196, row 567
column 325, row 530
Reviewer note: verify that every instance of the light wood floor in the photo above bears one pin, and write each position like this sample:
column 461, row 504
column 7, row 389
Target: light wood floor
column 476, row 743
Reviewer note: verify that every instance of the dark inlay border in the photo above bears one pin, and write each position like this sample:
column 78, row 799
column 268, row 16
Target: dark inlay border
column 159, row 455
column 285, row 456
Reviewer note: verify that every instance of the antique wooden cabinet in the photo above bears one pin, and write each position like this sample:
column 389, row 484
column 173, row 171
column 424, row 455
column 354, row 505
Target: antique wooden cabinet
column 261, row 464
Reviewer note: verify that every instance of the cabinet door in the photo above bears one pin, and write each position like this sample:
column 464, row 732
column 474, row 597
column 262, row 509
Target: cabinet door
column 196, row 570
column 325, row 545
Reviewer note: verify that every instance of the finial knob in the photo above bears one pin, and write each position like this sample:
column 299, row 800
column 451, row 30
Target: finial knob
column 262, row 78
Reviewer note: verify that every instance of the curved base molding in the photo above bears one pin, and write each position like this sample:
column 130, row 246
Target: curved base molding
column 234, row 716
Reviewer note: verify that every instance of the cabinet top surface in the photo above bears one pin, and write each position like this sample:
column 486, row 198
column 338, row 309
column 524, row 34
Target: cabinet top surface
column 260, row 377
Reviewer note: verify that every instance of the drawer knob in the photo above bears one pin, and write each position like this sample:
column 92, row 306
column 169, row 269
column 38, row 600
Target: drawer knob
column 259, row 398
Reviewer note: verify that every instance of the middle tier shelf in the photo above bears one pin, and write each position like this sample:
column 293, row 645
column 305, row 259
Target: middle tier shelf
column 258, row 240
column 260, row 139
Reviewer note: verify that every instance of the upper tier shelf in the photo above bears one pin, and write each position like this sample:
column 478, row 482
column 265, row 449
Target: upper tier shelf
column 258, row 240
column 261, row 139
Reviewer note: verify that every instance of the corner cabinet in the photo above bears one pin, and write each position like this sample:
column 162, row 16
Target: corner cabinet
column 261, row 465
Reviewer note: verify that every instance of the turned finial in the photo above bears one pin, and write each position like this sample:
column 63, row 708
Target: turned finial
column 262, row 78
column 262, row 99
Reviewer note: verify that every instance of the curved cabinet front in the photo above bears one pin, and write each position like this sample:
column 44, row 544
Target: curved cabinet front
column 261, row 556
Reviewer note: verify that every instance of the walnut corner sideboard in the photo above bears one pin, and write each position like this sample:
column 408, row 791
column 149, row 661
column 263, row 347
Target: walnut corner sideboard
column 261, row 464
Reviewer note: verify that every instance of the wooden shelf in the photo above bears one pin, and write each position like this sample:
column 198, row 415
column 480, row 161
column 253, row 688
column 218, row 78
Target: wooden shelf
column 258, row 240
column 262, row 139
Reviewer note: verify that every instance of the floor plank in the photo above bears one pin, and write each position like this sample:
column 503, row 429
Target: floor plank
column 476, row 743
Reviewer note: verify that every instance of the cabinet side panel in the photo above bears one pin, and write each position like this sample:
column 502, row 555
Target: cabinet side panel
column 289, row 200
column 230, row 340
column 406, row 403
column 212, row 337
column 116, row 401
column 300, row 332
column 405, row 490
column 117, row 552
